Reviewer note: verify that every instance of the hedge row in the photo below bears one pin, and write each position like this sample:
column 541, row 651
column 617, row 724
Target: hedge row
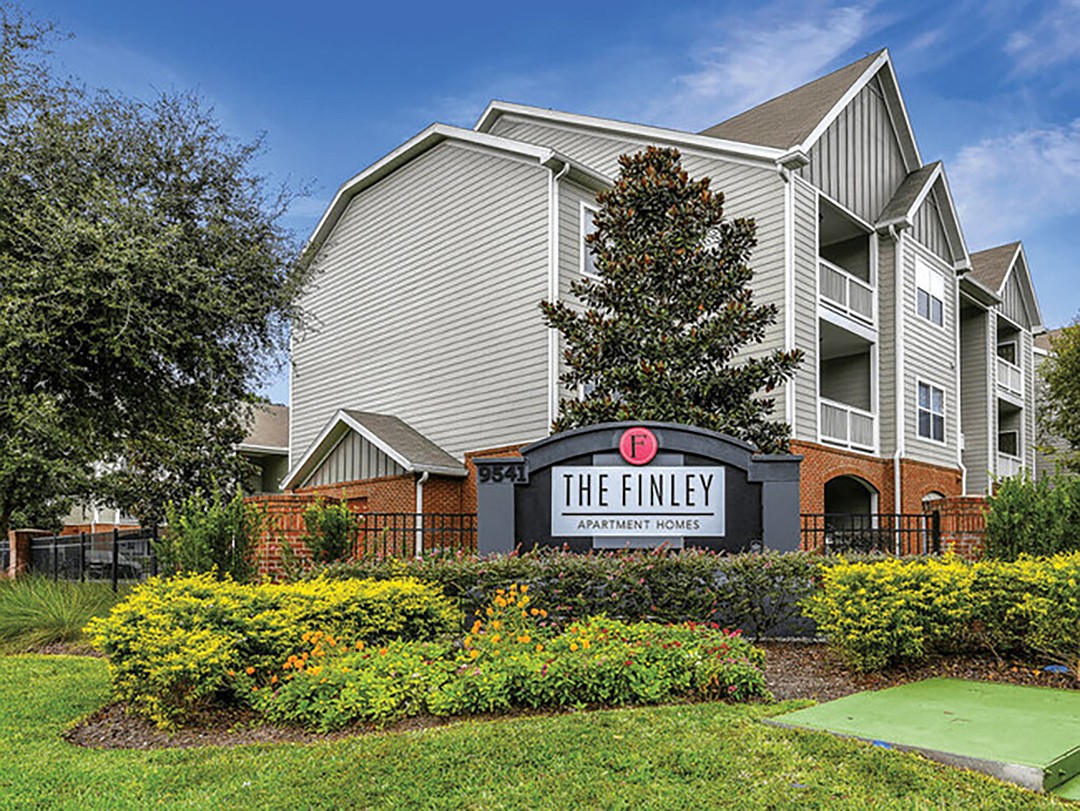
column 173, row 642
column 881, row 613
column 757, row 593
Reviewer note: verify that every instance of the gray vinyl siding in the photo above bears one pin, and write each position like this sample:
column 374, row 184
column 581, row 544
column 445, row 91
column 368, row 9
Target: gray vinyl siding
column 887, row 346
column 929, row 230
column 749, row 191
column 857, row 161
column 571, row 247
column 929, row 357
column 354, row 458
column 1012, row 301
column 425, row 304
column 976, row 400
column 806, row 326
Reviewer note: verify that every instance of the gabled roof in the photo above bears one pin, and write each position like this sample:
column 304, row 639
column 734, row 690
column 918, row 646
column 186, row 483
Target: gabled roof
column 394, row 437
column 428, row 139
column 786, row 121
column 912, row 193
column 992, row 265
column 1044, row 340
column 796, row 120
column 995, row 266
column 269, row 431
column 756, row 152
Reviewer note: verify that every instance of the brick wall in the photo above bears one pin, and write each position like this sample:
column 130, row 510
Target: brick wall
column 963, row 525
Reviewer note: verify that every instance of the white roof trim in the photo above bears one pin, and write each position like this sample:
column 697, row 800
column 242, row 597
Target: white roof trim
column 312, row 458
column 496, row 109
column 1027, row 289
column 910, row 150
column 422, row 142
column 964, row 261
column 244, row 446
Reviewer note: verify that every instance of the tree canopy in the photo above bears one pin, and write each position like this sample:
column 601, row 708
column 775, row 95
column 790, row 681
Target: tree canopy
column 668, row 326
column 146, row 286
column 1059, row 411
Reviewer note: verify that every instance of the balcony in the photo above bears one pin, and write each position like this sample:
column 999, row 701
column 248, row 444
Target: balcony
column 1010, row 378
column 847, row 426
column 1008, row 466
column 846, row 293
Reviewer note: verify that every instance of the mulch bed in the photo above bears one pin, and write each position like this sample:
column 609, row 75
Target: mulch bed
column 793, row 670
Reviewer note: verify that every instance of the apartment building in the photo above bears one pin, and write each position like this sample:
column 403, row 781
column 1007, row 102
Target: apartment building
column 918, row 373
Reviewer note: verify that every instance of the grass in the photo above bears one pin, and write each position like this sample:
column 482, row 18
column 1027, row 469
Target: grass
column 686, row 756
column 35, row 611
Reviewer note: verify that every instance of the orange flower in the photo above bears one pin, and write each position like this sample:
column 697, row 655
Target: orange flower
column 383, row 651
column 573, row 646
column 273, row 679
column 474, row 653
column 230, row 673
column 249, row 670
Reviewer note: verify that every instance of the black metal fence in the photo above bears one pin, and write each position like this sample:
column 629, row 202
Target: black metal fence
column 114, row 556
column 402, row 534
column 894, row 534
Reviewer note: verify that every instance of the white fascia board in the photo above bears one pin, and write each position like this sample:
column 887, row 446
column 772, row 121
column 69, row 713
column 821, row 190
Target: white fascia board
column 763, row 154
column 978, row 292
column 1027, row 285
column 244, row 446
column 415, row 146
column 964, row 262
column 315, row 449
column 893, row 95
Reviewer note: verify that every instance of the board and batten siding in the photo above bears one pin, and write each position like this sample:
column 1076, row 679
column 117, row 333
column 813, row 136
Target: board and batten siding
column 977, row 397
column 750, row 190
column 929, row 357
column 424, row 305
column 352, row 459
column 1012, row 302
column 806, row 306
column 929, row 230
column 857, row 161
column 571, row 199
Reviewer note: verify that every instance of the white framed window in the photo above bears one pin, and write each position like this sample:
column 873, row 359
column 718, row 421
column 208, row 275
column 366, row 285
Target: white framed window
column 588, row 265
column 929, row 293
column 1007, row 352
column 930, row 412
column 1009, row 443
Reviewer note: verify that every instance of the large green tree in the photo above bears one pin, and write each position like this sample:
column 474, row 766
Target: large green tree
column 668, row 328
column 146, row 285
column 1059, row 409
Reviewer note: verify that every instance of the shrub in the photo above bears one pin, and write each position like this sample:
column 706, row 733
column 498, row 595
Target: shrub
column 1034, row 517
column 509, row 659
column 881, row 613
column 36, row 611
column 331, row 531
column 210, row 535
column 172, row 642
column 759, row 593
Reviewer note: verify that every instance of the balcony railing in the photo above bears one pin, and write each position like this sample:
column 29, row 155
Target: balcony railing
column 1009, row 465
column 1010, row 377
column 847, row 426
column 844, row 292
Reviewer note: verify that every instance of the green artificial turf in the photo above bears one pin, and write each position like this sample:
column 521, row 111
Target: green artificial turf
column 699, row 756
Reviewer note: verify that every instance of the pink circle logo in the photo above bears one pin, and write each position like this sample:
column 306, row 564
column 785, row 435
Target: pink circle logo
column 638, row 446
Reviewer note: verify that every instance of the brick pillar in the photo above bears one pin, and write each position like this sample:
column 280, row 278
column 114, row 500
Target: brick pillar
column 963, row 525
column 19, row 544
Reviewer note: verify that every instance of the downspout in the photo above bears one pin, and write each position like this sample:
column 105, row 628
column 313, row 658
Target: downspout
column 553, row 288
column 898, row 329
column 961, row 440
column 420, row 513
column 789, row 288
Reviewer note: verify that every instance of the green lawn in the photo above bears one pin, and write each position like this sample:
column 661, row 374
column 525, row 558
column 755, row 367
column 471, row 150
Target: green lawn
column 699, row 756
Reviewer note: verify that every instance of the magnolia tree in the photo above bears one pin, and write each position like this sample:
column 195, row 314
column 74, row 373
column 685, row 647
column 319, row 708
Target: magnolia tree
column 668, row 326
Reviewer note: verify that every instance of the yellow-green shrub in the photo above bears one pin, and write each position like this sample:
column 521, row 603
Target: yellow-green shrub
column 173, row 642
column 880, row 613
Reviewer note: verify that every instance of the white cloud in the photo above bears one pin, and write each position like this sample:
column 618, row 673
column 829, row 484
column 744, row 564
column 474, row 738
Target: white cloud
column 760, row 59
column 1004, row 186
column 1051, row 40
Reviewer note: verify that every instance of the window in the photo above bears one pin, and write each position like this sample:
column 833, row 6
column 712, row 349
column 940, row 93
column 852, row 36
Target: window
column 931, row 412
column 929, row 293
column 1007, row 352
column 588, row 265
column 1009, row 443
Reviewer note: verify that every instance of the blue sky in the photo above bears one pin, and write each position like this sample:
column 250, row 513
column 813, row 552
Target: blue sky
column 992, row 87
